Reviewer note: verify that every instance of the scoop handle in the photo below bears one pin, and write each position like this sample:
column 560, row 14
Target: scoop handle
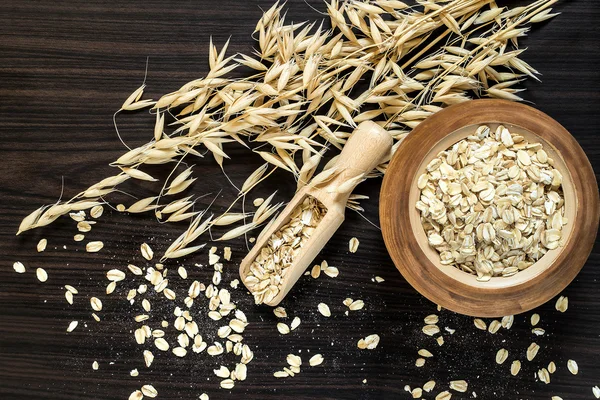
column 365, row 149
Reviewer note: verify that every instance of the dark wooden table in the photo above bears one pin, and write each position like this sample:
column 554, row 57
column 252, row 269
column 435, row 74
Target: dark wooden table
column 65, row 67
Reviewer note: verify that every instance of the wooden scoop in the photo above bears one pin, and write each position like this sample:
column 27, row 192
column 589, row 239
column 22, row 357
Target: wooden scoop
column 368, row 146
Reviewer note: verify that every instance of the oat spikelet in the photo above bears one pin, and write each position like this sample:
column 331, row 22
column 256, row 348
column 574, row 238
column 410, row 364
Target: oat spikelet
column 298, row 104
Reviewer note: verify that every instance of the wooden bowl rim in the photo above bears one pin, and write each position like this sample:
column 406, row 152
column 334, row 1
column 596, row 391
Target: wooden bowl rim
column 452, row 293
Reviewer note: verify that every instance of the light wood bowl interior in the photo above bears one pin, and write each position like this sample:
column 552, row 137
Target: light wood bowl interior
column 469, row 279
column 446, row 285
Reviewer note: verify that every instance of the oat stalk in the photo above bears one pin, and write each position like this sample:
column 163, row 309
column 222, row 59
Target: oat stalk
column 309, row 87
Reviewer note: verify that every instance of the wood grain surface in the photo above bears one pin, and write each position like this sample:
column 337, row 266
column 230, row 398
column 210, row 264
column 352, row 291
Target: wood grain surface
column 65, row 67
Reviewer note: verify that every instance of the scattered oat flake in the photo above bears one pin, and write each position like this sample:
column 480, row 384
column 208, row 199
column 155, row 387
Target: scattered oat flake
column 131, row 294
column 543, row 375
column 140, row 336
column 445, row 395
column 535, row 319
column 501, row 356
column 480, row 324
column 494, row 326
column 459, row 386
column 562, row 304
column 121, row 207
column 370, row 342
column 425, row 353
column 69, row 297
column 331, row 272
column 111, row 287
column 356, row 305
column 532, row 351
column 431, row 319
column 315, row 272
column 79, row 237
column 227, row 253
column 538, row 331
column 148, row 358
column 515, row 367
column 134, row 372
column 96, row 211
column 596, row 391
column 115, row 275
column 507, row 321
column 141, row 318
column 431, row 330
column 215, row 315
column 294, row 360
column 147, row 252
column 161, row 344
column 213, row 258
column 84, row 226
column 283, row 328
column 72, row 326
column 419, row 362
column 96, row 304
column 379, row 279
column 429, row 386
column 77, row 216
column 149, row 390
column 93, row 247
column 95, row 366
column 280, row 312
column 556, row 398
column 324, row 309
column 353, row 245
column 137, row 395
column 241, row 371
column 573, row 367
column 552, row 367
column 237, row 325
column 295, row 323
column 222, row 372
column 180, row 351
column 41, row 246
column 19, row 267
column 71, row 289
column 315, row 360
column 169, row 294
column 227, row 384
column 41, row 274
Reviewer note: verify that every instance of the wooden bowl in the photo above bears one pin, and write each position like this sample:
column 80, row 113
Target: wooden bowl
column 446, row 285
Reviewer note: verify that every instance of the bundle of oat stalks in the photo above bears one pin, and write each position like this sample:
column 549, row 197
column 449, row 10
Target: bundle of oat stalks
column 310, row 86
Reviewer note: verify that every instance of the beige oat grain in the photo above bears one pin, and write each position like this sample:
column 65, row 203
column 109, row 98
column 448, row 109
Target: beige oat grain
column 41, row 274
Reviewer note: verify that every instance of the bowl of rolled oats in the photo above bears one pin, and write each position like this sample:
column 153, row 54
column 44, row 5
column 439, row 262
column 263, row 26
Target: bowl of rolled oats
column 489, row 208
